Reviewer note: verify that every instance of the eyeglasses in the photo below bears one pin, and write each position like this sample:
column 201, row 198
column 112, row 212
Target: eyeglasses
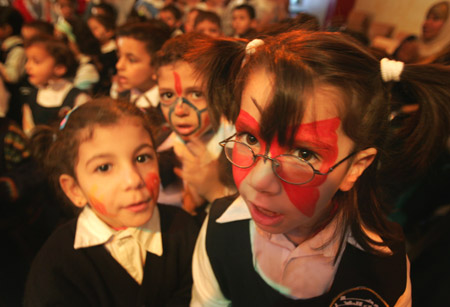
column 289, row 168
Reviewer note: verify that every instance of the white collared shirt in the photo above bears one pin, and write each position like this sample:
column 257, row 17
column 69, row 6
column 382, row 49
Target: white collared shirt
column 145, row 100
column 128, row 246
column 298, row 272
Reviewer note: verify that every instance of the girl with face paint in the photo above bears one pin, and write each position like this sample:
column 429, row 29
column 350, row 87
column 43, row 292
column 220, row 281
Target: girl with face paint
column 309, row 226
column 123, row 246
column 196, row 133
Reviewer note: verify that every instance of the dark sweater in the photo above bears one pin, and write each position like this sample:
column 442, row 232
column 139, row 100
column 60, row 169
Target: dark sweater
column 362, row 279
column 63, row 276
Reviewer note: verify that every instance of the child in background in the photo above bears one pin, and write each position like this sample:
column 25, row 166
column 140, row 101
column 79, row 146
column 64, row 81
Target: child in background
column 243, row 21
column 50, row 67
column 208, row 23
column 12, row 57
column 172, row 16
column 189, row 22
column 103, row 27
column 86, row 49
column 124, row 249
column 195, row 134
column 137, row 45
column 313, row 136
column 36, row 27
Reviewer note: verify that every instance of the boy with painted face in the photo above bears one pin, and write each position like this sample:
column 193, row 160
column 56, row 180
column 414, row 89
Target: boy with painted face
column 309, row 225
column 195, row 136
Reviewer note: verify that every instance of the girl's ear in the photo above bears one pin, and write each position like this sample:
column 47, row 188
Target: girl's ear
column 72, row 190
column 60, row 70
column 361, row 161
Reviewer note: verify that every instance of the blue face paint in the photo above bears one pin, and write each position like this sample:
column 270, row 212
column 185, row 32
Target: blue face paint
column 182, row 101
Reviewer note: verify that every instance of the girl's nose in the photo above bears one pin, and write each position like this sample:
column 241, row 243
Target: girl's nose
column 132, row 178
column 181, row 109
column 262, row 177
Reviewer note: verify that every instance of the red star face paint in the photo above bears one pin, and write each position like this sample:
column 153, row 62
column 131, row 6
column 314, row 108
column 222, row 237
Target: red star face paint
column 319, row 136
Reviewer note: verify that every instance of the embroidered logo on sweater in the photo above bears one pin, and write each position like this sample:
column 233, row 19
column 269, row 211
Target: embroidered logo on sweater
column 359, row 296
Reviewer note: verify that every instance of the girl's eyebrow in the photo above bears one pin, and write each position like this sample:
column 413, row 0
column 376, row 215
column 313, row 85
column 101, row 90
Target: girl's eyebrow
column 256, row 105
column 144, row 145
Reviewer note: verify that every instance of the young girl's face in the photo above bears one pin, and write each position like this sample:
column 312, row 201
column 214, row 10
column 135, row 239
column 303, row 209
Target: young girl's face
column 169, row 19
column 99, row 31
column 183, row 102
column 134, row 69
column 41, row 66
column 277, row 206
column 117, row 174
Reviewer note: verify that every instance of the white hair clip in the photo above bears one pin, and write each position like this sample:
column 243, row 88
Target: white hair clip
column 251, row 48
column 391, row 69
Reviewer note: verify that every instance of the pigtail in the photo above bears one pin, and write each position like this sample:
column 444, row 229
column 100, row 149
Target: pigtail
column 219, row 61
column 420, row 136
column 43, row 143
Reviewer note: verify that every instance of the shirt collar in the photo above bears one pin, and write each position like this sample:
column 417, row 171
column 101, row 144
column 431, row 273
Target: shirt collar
column 92, row 231
column 237, row 211
column 146, row 99
column 109, row 46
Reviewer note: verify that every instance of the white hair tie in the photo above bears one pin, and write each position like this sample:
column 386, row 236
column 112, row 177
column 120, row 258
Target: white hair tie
column 391, row 69
column 251, row 48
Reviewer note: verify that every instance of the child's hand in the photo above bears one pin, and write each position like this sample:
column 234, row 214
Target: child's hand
column 200, row 170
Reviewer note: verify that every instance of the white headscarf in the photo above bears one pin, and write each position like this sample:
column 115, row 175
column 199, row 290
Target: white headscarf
column 438, row 43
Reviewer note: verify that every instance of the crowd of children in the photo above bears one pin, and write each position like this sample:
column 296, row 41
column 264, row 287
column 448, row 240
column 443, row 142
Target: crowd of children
column 212, row 153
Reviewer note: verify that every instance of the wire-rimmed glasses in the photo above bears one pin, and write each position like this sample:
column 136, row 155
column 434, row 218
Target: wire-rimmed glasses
column 289, row 168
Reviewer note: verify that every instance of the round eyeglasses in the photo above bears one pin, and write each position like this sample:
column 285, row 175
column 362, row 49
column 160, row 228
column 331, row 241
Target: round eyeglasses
column 289, row 168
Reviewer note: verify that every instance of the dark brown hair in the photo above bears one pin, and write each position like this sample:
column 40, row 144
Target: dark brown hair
column 153, row 33
column 57, row 49
column 300, row 61
column 209, row 16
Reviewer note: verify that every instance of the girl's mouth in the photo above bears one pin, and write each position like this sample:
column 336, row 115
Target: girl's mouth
column 264, row 216
column 184, row 129
column 140, row 206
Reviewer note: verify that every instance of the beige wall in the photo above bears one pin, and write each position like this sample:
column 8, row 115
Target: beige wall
column 406, row 15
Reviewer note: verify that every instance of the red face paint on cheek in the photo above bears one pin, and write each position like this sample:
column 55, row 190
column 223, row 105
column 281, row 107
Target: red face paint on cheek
column 304, row 197
column 177, row 85
column 152, row 182
column 244, row 122
column 98, row 206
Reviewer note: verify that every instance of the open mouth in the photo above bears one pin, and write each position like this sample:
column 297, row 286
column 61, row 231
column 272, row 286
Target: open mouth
column 184, row 129
column 264, row 216
column 121, row 80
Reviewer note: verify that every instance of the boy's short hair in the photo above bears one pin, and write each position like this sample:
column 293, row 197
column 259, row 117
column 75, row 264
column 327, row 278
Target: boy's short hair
column 153, row 33
column 174, row 10
column 176, row 48
column 43, row 27
column 209, row 16
column 12, row 17
column 250, row 10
